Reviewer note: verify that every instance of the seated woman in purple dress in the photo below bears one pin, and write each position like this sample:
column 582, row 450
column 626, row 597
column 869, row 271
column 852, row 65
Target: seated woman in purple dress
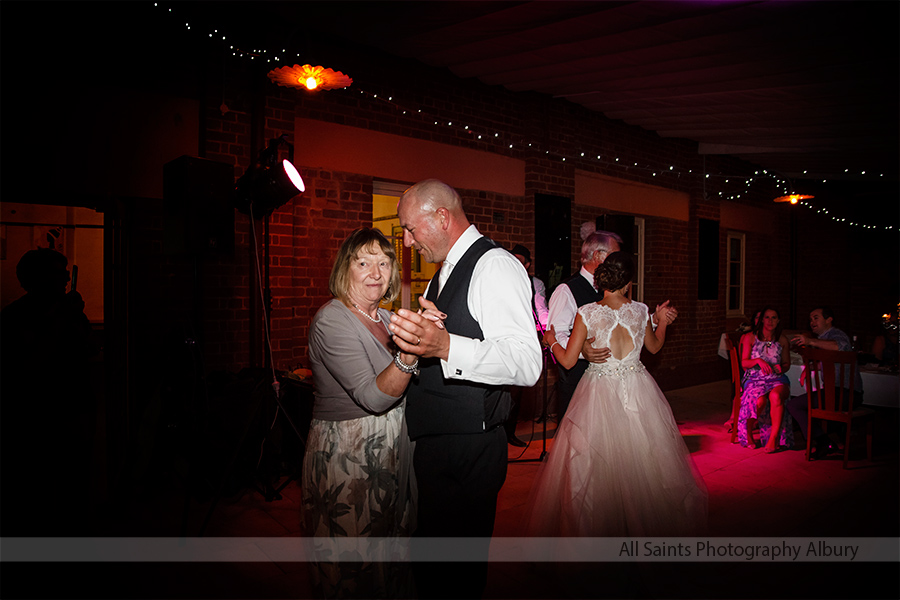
column 765, row 358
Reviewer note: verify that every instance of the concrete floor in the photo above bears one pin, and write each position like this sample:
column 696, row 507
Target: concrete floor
column 752, row 494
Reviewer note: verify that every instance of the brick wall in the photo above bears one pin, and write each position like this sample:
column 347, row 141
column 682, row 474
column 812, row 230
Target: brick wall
column 333, row 205
column 552, row 137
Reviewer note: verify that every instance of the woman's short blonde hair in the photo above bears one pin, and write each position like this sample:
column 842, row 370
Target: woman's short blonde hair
column 369, row 240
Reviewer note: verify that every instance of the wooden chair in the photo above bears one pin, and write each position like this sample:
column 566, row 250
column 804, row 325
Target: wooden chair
column 736, row 379
column 829, row 399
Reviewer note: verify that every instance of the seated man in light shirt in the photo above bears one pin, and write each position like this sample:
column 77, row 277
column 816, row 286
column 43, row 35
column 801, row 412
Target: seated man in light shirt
column 827, row 337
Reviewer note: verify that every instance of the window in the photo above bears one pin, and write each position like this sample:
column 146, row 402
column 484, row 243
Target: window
column 734, row 284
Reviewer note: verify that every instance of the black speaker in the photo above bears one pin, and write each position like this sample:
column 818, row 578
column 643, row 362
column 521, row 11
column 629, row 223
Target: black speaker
column 199, row 206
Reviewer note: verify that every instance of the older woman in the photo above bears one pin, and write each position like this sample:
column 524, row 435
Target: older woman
column 765, row 358
column 357, row 471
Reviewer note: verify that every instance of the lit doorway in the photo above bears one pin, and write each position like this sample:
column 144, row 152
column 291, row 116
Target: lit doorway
column 415, row 272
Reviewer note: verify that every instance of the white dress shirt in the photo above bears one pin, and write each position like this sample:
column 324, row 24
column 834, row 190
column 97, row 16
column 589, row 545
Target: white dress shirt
column 563, row 310
column 540, row 301
column 499, row 300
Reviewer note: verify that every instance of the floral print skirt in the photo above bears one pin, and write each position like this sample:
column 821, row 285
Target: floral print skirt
column 754, row 385
column 358, row 482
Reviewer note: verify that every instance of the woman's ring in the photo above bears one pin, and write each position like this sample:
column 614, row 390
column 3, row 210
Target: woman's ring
column 418, row 339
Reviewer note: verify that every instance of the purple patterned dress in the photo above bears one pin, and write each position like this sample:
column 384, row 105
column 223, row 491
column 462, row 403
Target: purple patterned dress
column 755, row 384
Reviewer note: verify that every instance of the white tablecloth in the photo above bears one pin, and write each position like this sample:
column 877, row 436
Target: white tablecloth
column 723, row 350
column 879, row 389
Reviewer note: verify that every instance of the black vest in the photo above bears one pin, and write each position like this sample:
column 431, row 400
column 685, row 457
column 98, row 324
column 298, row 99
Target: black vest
column 435, row 405
column 583, row 291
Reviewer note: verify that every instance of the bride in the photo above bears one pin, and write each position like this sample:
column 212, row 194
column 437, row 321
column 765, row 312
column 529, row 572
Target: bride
column 618, row 466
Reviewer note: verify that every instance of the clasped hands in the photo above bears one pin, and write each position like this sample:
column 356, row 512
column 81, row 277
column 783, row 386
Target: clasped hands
column 421, row 333
column 665, row 311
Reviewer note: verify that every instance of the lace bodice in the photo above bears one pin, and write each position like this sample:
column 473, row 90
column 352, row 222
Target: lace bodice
column 601, row 320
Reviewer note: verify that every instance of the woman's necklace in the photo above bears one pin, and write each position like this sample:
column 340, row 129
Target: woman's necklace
column 365, row 314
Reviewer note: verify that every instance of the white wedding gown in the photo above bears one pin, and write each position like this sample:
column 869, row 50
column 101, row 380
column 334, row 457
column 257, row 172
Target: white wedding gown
column 618, row 466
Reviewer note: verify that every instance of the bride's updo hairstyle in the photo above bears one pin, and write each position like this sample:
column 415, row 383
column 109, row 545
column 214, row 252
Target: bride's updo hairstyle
column 615, row 272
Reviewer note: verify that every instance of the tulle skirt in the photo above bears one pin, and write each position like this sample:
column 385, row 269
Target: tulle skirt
column 618, row 466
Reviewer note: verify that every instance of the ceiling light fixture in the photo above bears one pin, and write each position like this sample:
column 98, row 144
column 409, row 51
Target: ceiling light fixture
column 309, row 78
column 793, row 198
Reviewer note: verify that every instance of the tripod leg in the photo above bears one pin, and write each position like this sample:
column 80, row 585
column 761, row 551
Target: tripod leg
column 543, row 419
column 545, row 416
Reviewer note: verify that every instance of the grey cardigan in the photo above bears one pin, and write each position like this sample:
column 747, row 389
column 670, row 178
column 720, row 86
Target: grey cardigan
column 345, row 359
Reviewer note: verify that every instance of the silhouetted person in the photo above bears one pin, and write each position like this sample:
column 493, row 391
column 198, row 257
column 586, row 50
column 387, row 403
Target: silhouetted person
column 47, row 408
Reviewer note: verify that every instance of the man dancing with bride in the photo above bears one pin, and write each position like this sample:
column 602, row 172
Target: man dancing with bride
column 618, row 466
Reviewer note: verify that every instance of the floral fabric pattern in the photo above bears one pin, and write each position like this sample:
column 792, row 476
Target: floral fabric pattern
column 755, row 384
column 356, row 484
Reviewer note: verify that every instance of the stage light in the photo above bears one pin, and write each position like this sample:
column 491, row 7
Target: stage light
column 294, row 175
column 268, row 183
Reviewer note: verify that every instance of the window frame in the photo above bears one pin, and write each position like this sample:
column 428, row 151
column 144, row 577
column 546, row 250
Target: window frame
column 742, row 238
column 639, row 263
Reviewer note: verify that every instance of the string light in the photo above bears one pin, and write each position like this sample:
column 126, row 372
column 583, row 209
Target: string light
column 511, row 142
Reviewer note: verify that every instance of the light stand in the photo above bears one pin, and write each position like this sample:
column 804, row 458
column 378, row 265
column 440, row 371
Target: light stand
column 264, row 187
column 269, row 492
column 548, row 358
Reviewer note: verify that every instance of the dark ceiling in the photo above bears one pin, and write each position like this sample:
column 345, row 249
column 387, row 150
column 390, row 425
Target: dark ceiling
column 807, row 89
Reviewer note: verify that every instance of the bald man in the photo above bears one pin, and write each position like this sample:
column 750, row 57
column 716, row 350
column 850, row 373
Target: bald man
column 457, row 405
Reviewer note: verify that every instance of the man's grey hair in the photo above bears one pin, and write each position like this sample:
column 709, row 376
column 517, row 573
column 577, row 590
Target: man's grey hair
column 599, row 240
column 587, row 228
